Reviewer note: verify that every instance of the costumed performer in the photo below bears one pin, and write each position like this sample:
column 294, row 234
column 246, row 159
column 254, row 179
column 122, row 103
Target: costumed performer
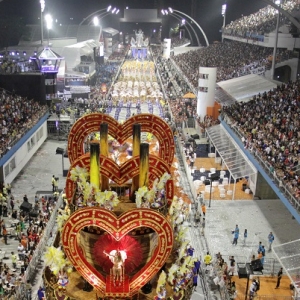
column 118, row 258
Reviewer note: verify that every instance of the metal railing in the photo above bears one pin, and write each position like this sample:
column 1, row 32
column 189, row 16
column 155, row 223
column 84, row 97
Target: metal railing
column 285, row 189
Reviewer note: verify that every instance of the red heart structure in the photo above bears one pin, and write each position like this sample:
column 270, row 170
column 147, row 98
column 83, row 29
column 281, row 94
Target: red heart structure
column 117, row 227
column 149, row 123
column 121, row 174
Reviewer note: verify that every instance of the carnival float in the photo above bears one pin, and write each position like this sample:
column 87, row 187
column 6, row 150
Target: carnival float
column 121, row 232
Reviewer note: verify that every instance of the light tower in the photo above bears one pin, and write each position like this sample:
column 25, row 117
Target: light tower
column 42, row 3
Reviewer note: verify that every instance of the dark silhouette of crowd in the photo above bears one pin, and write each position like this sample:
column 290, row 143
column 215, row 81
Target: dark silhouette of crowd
column 179, row 41
column 28, row 230
column 174, row 83
column 261, row 22
column 17, row 116
column 270, row 126
column 106, row 72
column 232, row 59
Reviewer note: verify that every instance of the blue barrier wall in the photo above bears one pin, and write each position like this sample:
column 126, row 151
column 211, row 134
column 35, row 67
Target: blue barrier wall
column 6, row 157
column 261, row 170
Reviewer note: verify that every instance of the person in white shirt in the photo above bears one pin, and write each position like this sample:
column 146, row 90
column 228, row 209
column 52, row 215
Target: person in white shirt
column 21, row 250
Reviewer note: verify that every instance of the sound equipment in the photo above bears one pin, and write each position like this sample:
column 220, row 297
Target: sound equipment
column 242, row 271
column 25, row 206
column 207, row 182
column 195, row 136
column 60, row 150
column 256, row 265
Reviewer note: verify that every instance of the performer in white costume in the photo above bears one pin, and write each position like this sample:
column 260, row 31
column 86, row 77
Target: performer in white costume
column 118, row 258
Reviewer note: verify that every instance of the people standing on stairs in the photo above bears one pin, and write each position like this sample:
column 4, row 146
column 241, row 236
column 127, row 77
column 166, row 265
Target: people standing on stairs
column 4, row 233
column 279, row 276
column 203, row 208
column 271, row 240
column 245, row 236
column 232, row 265
column 192, row 160
column 202, row 231
column 53, row 183
column 259, row 247
column 197, row 218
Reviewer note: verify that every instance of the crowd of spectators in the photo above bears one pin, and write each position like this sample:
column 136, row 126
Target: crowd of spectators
column 12, row 66
column 269, row 124
column 28, row 231
column 174, row 84
column 175, row 88
column 261, row 22
column 178, row 41
column 232, row 59
column 106, row 72
column 17, row 116
column 118, row 55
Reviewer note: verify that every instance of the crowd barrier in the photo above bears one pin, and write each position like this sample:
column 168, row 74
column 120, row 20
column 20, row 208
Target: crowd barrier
column 266, row 166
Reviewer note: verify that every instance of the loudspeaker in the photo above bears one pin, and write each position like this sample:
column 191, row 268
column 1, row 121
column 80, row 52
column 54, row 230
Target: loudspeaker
column 256, row 265
column 25, row 206
column 60, row 150
column 207, row 182
column 195, row 136
column 242, row 271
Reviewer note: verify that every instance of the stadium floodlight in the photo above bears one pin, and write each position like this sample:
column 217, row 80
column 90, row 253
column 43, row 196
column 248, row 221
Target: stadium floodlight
column 109, row 8
column 117, row 11
column 96, row 21
column 49, row 21
column 183, row 21
column 166, row 12
column 42, row 2
column 113, row 11
column 224, row 7
column 171, row 10
column 163, row 12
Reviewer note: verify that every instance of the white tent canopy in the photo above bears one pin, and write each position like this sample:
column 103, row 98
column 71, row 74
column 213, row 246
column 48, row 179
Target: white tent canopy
column 245, row 87
column 73, row 53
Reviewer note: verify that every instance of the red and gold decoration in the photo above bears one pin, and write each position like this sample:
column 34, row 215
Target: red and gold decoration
column 117, row 228
column 120, row 225
column 149, row 123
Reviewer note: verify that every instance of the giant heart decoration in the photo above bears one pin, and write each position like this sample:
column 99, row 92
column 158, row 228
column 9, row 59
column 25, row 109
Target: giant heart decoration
column 117, row 227
column 122, row 174
column 149, row 123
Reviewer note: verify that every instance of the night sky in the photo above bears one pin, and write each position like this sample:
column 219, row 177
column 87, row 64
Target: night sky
column 208, row 12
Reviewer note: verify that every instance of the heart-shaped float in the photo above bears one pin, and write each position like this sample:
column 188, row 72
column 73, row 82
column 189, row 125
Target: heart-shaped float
column 149, row 123
column 122, row 174
column 117, row 227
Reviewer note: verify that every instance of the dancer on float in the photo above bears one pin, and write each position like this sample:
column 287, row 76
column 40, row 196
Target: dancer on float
column 118, row 258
